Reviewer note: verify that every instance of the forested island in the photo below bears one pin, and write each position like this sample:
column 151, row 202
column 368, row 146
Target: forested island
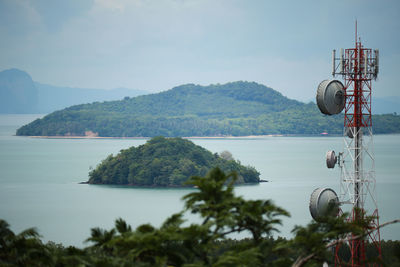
column 165, row 162
column 232, row 109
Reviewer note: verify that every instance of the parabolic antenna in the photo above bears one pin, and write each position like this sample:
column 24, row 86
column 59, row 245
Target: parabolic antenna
column 323, row 202
column 331, row 159
column 349, row 132
column 330, row 97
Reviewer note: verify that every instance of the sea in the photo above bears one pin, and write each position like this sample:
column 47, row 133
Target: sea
column 40, row 181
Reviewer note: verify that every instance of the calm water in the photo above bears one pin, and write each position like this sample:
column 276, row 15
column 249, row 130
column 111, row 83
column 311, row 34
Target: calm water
column 39, row 181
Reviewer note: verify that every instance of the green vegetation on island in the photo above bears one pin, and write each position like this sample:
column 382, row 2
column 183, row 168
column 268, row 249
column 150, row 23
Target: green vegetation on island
column 166, row 162
column 206, row 242
column 232, row 109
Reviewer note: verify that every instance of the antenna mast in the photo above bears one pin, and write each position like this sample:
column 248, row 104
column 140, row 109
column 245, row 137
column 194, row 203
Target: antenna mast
column 358, row 66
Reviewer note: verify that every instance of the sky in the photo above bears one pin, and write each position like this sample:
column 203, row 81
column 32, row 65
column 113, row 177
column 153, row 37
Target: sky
column 155, row 45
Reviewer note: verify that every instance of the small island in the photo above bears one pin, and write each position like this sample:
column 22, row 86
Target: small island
column 166, row 162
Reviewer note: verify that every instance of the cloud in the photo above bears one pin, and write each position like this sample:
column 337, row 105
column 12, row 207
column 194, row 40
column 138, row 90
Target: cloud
column 18, row 18
column 114, row 5
column 56, row 13
column 157, row 44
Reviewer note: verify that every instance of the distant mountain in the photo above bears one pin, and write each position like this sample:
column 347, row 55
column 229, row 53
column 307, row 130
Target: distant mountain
column 237, row 109
column 20, row 94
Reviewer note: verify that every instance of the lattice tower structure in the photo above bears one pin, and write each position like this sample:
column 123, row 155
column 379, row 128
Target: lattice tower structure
column 358, row 67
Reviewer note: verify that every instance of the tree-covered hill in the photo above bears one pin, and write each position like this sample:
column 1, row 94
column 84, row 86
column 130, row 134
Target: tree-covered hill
column 165, row 162
column 238, row 108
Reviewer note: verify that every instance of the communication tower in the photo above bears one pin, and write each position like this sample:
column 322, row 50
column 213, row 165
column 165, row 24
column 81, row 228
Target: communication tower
column 357, row 66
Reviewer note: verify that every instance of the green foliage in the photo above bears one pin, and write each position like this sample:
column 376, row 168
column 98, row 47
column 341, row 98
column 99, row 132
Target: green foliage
column 165, row 162
column 237, row 109
column 208, row 243
column 23, row 249
column 313, row 238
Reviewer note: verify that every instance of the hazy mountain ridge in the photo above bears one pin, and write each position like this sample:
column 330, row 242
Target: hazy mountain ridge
column 20, row 94
column 232, row 109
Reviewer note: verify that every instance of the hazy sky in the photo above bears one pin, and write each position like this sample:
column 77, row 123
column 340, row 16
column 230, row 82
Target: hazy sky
column 157, row 44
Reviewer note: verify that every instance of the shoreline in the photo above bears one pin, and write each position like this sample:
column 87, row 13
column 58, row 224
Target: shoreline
column 185, row 137
column 168, row 186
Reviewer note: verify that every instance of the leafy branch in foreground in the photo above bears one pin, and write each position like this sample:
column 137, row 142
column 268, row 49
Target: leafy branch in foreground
column 206, row 243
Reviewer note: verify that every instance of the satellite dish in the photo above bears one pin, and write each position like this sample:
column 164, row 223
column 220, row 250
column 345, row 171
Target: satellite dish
column 330, row 97
column 349, row 132
column 323, row 202
column 331, row 159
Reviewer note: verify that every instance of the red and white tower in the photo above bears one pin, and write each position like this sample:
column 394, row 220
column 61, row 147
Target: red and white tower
column 357, row 66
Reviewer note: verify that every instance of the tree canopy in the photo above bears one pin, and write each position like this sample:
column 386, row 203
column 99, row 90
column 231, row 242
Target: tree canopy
column 165, row 162
column 232, row 109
